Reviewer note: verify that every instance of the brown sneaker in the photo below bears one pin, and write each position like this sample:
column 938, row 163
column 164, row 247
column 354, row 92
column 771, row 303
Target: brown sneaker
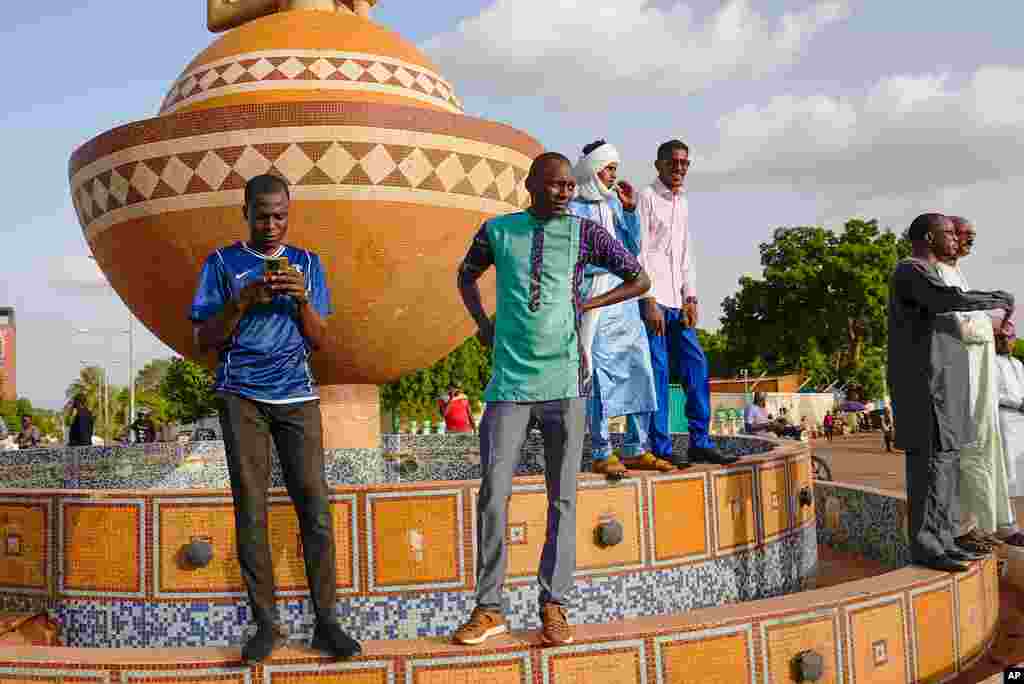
column 483, row 624
column 648, row 461
column 555, row 629
column 975, row 541
column 610, row 467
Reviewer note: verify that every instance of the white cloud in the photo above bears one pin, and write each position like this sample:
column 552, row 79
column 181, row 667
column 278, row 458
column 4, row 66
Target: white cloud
column 905, row 136
column 78, row 275
column 584, row 53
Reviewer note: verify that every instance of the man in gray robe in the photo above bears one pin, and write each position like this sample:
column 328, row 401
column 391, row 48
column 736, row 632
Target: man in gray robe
column 929, row 378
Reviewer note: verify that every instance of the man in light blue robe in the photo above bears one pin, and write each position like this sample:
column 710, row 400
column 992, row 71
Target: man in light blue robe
column 613, row 338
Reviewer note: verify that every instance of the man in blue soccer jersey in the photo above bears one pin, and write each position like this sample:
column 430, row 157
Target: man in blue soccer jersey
column 264, row 318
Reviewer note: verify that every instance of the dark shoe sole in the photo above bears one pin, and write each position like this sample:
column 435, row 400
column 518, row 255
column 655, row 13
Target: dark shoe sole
column 324, row 647
column 279, row 641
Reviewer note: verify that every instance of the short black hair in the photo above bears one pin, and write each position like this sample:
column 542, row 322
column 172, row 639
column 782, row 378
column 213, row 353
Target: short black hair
column 587, row 149
column 923, row 225
column 544, row 158
column 265, row 184
column 959, row 221
column 666, row 149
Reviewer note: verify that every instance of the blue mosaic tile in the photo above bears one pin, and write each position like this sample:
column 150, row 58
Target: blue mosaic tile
column 781, row 567
column 869, row 523
column 201, row 465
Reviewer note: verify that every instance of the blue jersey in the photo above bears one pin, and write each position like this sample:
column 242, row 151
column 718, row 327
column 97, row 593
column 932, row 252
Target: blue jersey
column 267, row 357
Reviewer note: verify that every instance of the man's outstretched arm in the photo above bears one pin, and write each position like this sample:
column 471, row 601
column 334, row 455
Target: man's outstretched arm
column 601, row 249
column 478, row 259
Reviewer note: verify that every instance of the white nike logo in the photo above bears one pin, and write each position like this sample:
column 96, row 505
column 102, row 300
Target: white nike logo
column 243, row 274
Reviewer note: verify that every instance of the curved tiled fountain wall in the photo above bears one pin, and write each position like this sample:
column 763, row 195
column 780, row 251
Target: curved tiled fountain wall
column 108, row 563
column 907, row 625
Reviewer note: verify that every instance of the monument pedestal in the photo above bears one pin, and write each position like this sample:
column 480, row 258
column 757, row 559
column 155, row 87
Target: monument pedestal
column 351, row 416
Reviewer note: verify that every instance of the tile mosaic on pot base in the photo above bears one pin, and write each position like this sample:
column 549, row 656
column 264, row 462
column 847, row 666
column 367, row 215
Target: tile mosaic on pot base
column 777, row 569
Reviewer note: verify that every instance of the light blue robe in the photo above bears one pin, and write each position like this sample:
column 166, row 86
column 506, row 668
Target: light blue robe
column 622, row 378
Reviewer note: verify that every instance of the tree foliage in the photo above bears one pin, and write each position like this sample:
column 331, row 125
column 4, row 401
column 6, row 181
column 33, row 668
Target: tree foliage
column 820, row 305
column 187, row 387
column 48, row 422
column 415, row 395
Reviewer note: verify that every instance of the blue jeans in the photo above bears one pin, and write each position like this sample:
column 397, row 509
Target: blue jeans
column 678, row 350
column 635, row 443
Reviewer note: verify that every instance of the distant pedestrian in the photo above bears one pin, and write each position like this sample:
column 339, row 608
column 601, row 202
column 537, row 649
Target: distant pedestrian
column 830, row 426
column 29, row 437
column 82, row 424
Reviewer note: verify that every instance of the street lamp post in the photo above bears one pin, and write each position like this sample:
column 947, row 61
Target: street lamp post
column 130, row 332
column 104, row 391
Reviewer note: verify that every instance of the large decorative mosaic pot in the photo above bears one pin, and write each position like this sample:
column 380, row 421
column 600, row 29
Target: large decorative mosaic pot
column 389, row 182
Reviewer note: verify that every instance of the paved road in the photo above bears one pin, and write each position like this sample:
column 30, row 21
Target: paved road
column 862, row 459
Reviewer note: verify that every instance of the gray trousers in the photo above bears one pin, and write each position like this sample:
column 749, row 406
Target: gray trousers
column 502, row 434
column 932, row 478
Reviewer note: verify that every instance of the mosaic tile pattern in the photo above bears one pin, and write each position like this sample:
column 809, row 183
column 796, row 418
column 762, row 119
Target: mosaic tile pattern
column 774, row 570
column 201, row 465
column 309, row 70
column 198, row 465
column 862, row 521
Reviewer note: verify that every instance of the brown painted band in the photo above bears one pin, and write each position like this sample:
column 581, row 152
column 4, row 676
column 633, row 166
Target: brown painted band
column 285, row 114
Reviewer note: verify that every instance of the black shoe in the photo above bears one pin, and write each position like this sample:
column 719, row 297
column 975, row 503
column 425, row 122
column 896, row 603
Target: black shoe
column 330, row 638
column 261, row 644
column 943, row 564
column 714, row 456
column 677, row 461
column 965, row 556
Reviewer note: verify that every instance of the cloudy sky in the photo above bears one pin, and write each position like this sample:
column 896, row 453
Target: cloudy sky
column 797, row 112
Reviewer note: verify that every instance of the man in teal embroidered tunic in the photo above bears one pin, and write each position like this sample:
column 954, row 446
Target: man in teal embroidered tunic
column 538, row 372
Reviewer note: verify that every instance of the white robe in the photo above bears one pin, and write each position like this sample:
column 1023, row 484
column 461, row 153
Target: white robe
column 984, row 491
column 1011, row 419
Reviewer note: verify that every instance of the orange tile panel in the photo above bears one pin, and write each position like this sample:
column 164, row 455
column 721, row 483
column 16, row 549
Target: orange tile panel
column 800, row 477
column 416, row 540
column 935, row 634
column 179, row 525
column 973, row 615
column 286, row 545
column 774, row 499
column 600, row 504
column 44, row 679
column 101, row 548
column 734, row 498
column 182, row 678
column 679, row 510
column 527, row 525
column 879, row 651
column 23, row 546
column 715, row 660
column 990, row 579
column 482, row 673
column 317, row 676
column 619, row 666
column 785, row 641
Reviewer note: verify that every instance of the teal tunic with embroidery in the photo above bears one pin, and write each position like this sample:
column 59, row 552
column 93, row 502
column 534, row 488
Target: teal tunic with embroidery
column 540, row 265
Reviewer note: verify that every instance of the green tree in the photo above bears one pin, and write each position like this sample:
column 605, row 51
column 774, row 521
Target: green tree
column 1018, row 350
column 415, row 395
column 149, row 377
column 821, row 301
column 187, row 387
column 715, row 348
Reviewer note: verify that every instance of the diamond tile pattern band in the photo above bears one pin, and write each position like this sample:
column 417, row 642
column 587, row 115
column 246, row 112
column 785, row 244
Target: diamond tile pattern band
column 309, row 69
column 320, row 163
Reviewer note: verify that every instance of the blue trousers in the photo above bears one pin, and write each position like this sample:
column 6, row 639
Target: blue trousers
column 678, row 350
column 637, row 425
